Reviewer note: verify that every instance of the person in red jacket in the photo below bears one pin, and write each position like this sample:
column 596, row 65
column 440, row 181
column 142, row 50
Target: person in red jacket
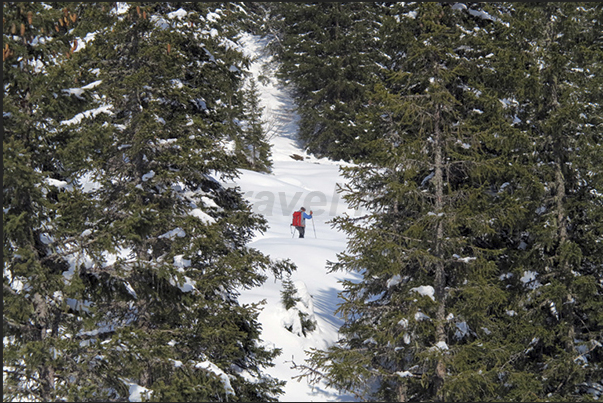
column 304, row 216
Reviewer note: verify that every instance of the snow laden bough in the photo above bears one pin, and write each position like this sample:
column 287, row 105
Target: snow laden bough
column 299, row 316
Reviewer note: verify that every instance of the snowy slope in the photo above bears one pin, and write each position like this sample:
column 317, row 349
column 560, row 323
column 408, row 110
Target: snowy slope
column 292, row 184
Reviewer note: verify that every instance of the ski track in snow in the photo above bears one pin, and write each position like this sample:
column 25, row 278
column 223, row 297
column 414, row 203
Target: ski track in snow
column 292, row 184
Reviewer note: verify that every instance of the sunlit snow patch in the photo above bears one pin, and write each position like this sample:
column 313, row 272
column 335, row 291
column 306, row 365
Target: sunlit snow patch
column 213, row 368
column 426, row 290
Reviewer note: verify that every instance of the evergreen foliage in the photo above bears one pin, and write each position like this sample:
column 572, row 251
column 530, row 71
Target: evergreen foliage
column 254, row 138
column 330, row 53
column 554, row 257
column 288, row 294
column 301, row 323
column 476, row 129
column 132, row 281
column 454, row 187
column 37, row 39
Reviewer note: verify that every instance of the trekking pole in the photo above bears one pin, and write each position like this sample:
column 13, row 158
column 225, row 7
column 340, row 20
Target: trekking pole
column 314, row 227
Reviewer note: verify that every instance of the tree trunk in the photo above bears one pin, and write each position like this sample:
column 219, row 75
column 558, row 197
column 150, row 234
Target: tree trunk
column 253, row 156
column 46, row 368
column 560, row 192
column 402, row 392
column 559, row 196
column 564, row 265
column 440, row 275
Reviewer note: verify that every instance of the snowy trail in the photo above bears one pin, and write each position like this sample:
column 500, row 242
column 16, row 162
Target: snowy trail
column 311, row 183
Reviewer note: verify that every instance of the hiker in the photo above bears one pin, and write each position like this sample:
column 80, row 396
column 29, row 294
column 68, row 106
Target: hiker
column 299, row 220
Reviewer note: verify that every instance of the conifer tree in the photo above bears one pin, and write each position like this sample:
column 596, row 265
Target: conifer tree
column 185, row 233
column 330, row 53
column 480, row 255
column 255, row 142
column 300, row 322
column 38, row 39
column 554, row 261
column 427, row 320
column 137, row 275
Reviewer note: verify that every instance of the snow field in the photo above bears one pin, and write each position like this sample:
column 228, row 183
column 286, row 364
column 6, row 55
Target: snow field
column 276, row 196
column 311, row 183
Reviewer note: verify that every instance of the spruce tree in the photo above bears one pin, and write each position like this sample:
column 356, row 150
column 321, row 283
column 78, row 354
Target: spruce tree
column 425, row 322
column 185, row 233
column 38, row 40
column 255, row 142
column 135, row 277
column 480, row 255
column 300, row 323
column 330, row 54
column 554, row 261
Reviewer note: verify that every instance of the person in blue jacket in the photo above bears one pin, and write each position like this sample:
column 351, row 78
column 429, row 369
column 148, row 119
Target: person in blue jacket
column 304, row 217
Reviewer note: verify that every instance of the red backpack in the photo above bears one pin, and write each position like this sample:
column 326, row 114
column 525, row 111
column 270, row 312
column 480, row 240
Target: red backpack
column 297, row 219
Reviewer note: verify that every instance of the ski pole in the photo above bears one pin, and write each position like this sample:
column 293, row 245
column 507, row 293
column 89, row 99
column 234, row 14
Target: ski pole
column 314, row 227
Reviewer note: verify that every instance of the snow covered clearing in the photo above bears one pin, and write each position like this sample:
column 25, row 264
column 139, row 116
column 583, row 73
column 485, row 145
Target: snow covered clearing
column 310, row 183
